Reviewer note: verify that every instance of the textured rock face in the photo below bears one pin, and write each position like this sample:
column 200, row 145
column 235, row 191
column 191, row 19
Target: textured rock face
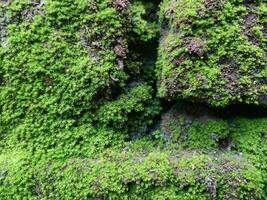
column 78, row 105
column 213, row 51
column 194, row 127
column 139, row 175
column 67, row 66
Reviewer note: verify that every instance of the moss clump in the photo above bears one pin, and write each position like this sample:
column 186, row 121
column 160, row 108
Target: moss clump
column 193, row 126
column 153, row 175
column 196, row 127
column 250, row 137
column 213, row 51
column 66, row 76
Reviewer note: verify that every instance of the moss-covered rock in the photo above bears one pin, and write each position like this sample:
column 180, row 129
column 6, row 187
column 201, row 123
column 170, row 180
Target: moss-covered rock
column 193, row 126
column 127, row 175
column 66, row 75
column 77, row 98
column 213, row 51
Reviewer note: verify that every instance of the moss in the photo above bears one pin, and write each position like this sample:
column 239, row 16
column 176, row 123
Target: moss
column 193, row 127
column 77, row 100
column 146, row 29
column 141, row 175
column 207, row 135
column 196, row 127
column 250, row 138
column 66, row 81
column 212, row 51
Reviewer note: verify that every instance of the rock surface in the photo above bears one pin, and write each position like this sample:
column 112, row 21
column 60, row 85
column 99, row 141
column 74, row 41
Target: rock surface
column 79, row 107
column 213, row 51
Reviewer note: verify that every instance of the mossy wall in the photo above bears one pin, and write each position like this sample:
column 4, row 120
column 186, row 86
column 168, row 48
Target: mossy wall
column 80, row 114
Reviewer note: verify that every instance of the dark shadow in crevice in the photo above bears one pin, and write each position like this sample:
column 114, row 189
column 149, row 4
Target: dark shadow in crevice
column 145, row 51
column 244, row 110
column 231, row 111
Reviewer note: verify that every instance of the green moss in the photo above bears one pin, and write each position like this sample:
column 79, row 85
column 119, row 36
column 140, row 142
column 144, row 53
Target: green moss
column 206, row 135
column 188, row 126
column 65, row 76
column 140, row 175
column 77, row 92
column 146, row 29
column 193, row 127
column 212, row 51
column 250, row 138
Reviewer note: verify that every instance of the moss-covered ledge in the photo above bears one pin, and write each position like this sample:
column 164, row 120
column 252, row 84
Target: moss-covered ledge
column 132, row 175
